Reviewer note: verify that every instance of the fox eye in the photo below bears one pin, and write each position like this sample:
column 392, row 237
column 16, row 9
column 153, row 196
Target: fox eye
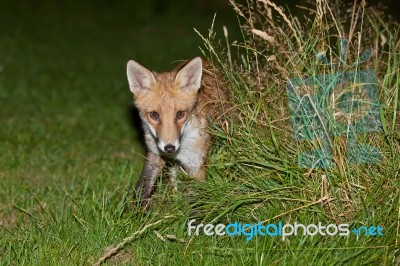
column 180, row 115
column 154, row 115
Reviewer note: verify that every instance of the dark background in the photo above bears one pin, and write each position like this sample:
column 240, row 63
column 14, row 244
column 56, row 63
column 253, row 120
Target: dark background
column 157, row 26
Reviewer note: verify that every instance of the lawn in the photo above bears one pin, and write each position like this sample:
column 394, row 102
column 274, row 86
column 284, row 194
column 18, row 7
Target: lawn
column 71, row 152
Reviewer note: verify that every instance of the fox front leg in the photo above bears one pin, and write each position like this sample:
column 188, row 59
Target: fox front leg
column 199, row 173
column 195, row 166
column 193, row 159
column 151, row 170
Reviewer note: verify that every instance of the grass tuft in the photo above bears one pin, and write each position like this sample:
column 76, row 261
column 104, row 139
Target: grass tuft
column 254, row 169
column 69, row 156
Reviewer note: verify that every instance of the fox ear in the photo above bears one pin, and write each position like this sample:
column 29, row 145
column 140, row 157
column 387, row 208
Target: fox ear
column 140, row 78
column 188, row 77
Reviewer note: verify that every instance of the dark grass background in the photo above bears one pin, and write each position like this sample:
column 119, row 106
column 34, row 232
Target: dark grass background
column 63, row 81
column 70, row 150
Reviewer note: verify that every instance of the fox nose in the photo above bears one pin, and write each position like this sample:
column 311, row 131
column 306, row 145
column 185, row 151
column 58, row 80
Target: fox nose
column 169, row 148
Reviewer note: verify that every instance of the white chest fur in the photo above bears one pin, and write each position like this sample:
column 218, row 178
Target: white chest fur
column 191, row 154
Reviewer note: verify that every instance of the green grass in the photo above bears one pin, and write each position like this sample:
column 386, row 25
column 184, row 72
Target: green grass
column 257, row 155
column 70, row 155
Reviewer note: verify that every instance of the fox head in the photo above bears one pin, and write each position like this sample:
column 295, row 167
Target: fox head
column 165, row 101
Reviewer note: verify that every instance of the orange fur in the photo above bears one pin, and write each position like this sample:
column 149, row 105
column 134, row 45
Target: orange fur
column 175, row 107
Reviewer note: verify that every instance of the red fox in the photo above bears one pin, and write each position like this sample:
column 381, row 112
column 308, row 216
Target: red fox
column 174, row 108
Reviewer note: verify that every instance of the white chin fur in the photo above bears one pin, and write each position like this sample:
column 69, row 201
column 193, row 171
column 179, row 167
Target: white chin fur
column 161, row 145
column 177, row 144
